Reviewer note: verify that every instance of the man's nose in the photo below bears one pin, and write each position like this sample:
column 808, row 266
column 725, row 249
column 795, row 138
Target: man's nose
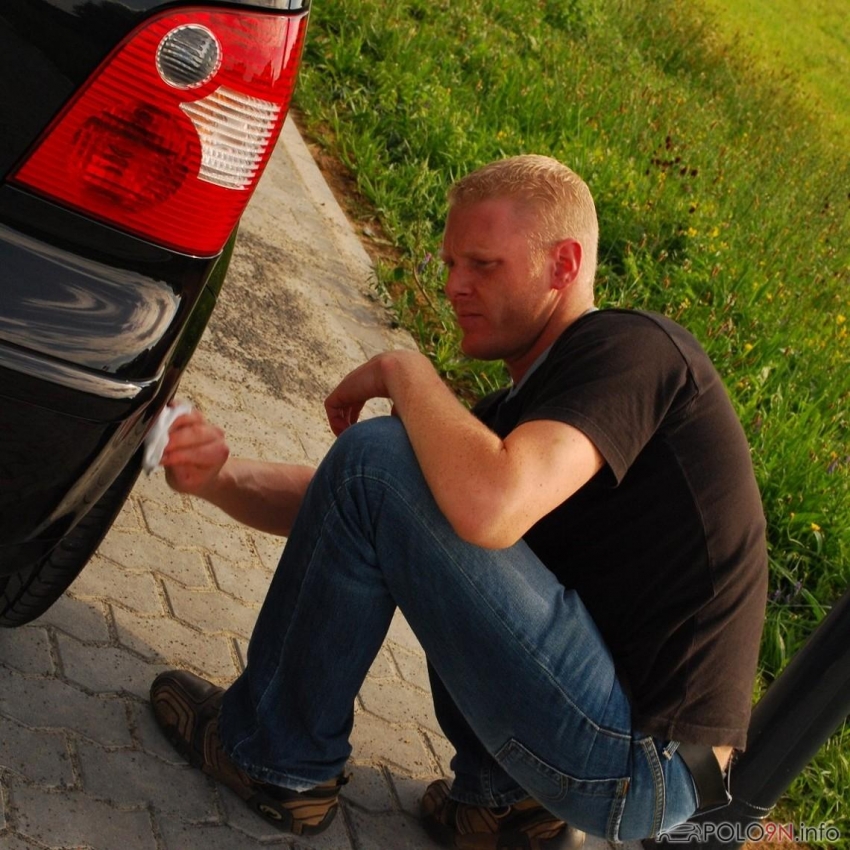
column 456, row 284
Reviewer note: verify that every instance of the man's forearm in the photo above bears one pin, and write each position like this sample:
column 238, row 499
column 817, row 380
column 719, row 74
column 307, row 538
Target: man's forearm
column 490, row 490
column 263, row 495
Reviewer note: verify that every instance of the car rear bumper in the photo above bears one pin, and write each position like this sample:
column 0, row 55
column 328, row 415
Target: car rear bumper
column 65, row 434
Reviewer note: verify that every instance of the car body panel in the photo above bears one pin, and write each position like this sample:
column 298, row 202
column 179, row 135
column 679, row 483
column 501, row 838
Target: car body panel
column 96, row 325
column 52, row 433
column 85, row 293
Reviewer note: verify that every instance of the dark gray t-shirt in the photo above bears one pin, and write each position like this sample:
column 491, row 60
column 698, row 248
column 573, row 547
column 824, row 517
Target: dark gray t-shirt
column 666, row 544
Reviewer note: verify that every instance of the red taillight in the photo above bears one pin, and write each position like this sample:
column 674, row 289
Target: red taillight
column 170, row 136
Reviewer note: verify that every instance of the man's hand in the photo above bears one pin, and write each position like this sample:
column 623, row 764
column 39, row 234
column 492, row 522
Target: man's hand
column 195, row 454
column 261, row 494
column 490, row 490
column 374, row 379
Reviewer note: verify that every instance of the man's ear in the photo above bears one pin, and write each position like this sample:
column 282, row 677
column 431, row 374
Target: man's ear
column 567, row 255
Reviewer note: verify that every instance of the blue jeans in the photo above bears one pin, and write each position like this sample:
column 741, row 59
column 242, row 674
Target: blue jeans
column 523, row 683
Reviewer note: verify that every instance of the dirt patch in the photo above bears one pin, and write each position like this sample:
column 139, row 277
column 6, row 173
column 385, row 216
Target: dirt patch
column 270, row 329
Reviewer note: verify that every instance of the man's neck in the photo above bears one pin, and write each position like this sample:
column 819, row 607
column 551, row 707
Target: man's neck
column 521, row 368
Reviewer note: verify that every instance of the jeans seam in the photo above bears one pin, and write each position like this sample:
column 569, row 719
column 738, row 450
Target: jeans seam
column 615, row 816
column 652, row 758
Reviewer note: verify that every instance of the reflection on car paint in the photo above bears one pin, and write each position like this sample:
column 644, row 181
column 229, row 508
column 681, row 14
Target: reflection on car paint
column 47, row 291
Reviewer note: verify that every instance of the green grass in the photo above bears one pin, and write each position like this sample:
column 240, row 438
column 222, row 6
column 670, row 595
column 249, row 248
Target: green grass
column 811, row 40
column 722, row 190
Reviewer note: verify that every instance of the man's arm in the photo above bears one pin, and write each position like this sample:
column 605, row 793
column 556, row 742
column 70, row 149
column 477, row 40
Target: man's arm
column 490, row 490
column 261, row 494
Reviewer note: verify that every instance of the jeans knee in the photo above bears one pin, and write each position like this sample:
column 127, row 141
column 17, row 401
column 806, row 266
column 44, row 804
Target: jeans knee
column 379, row 441
column 372, row 468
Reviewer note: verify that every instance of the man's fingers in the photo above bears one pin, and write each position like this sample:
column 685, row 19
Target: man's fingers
column 192, row 430
column 203, row 455
column 342, row 417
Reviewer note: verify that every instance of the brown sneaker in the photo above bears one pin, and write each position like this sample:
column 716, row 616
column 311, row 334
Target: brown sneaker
column 523, row 826
column 186, row 708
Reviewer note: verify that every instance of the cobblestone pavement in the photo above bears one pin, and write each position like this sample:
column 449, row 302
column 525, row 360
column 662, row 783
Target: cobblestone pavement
column 176, row 583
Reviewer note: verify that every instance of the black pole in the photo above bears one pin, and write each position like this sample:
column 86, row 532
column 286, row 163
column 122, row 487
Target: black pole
column 800, row 710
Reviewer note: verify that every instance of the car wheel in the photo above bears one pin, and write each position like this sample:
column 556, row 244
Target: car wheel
column 29, row 593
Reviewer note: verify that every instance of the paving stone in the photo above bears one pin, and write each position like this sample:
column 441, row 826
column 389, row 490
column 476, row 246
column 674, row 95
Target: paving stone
column 52, row 703
column 389, row 830
column 177, row 835
column 442, row 750
column 134, row 779
column 401, row 633
column 246, row 433
column 39, row 756
column 247, row 583
column 83, row 620
column 242, row 653
column 208, row 511
column 315, row 442
column 150, row 737
column 141, row 550
column 222, row 394
column 375, row 740
column 103, row 580
column 10, row 841
column 269, row 548
column 241, row 818
column 106, row 669
column 211, row 362
column 398, row 702
column 27, row 650
column 383, row 667
column 212, row 611
column 285, row 448
column 73, row 819
column 190, row 530
column 413, row 666
column 128, row 518
column 409, row 791
column 163, row 639
column 149, row 488
column 275, row 412
column 368, row 789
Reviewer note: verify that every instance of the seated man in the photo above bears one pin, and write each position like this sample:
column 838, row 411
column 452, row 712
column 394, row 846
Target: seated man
column 582, row 556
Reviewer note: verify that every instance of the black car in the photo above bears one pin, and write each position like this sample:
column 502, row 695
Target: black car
column 132, row 135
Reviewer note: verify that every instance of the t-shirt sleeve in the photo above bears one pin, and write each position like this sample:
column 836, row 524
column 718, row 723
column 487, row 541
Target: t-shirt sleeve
column 617, row 379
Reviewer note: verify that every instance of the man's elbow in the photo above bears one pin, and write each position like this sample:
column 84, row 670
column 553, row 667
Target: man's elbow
column 486, row 532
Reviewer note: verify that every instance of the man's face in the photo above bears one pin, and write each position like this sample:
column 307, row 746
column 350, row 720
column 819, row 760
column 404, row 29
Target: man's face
column 497, row 284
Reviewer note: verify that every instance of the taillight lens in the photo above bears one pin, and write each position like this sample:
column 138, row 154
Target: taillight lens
column 170, row 136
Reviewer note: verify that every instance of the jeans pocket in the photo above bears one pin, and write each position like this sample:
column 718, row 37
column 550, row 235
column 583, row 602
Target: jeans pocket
column 595, row 805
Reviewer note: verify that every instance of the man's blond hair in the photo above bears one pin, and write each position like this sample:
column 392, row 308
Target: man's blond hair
column 555, row 199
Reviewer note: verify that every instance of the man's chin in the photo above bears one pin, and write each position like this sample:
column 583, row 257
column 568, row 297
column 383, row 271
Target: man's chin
column 478, row 352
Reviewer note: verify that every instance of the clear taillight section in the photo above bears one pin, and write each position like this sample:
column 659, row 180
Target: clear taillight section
column 170, row 136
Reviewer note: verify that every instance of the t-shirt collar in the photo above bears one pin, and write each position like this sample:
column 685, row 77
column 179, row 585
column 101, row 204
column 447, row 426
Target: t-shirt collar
column 539, row 362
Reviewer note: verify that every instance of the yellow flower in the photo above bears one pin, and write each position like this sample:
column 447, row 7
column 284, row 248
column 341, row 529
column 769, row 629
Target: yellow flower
column 840, row 319
column 748, row 347
column 815, row 527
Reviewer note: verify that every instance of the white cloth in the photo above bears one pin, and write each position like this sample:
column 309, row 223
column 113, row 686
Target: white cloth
column 157, row 438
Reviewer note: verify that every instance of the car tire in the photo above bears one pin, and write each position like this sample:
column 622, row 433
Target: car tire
column 29, row 593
